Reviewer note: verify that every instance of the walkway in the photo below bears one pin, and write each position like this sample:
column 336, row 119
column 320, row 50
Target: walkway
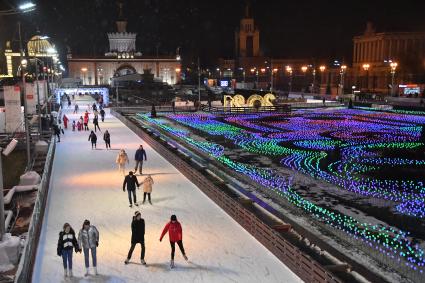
column 86, row 184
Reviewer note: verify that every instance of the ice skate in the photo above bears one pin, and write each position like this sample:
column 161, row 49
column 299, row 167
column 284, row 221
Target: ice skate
column 95, row 270
column 185, row 258
column 143, row 261
column 130, row 205
column 150, row 202
column 136, row 204
column 65, row 273
column 126, row 261
column 70, row 273
column 172, row 264
column 87, row 272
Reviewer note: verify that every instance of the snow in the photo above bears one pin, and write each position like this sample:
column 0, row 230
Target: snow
column 86, row 184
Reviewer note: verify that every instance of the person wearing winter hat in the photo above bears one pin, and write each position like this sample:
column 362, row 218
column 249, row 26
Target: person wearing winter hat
column 175, row 233
column 137, row 237
column 88, row 240
column 66, row 243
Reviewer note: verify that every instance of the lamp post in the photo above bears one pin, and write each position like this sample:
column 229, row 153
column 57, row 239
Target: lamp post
column 342, row 73
column 273, row 71
column 289, row 70
column 366, row 68
column 322, row 69
column 393, row 66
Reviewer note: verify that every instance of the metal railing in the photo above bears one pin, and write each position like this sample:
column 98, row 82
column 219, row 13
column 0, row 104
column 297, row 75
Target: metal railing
column 26, row 263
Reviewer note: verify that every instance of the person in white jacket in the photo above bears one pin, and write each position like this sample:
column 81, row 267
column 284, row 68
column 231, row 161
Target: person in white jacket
column 122, row 159
column 88, row 240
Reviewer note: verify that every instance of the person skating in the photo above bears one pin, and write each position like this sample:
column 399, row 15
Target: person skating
column 88, row 240
column 122, row 159
column 107, row 139
column 94, row 106
column 66, row 243
column 96, row 113
column 102, row 115
column 138, row 157
column 175, row 233
column 96, row 123
column 131, row 181
column 76, row 108
column 93, row 139
column 65, row 121
column 137, row 237
column 57, row 132
column 86, row 123
column 73, row 125
column 147, row 188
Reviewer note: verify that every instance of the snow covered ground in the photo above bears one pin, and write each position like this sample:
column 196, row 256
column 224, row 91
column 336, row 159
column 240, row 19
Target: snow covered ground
column 86, row 184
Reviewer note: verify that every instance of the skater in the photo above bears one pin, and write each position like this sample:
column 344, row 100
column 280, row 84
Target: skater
column 147, row 188
column 65, row 121
column 96, row 123
column 79, row 126
column 138, row 157
column 131, row 181
column 88, row 240
column 122, row 159
column 76, row 108
column 94, row 107
column 66, row 243
column 137, row 237
column 57, row 132
column 93, row 139
column 175, row 233
column 86, row 123
column 102, row 115
column 96, row 114
column 73, row 125
column 107, row 139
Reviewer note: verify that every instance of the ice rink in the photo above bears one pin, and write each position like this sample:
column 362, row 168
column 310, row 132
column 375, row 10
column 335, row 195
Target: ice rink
column 86, row 184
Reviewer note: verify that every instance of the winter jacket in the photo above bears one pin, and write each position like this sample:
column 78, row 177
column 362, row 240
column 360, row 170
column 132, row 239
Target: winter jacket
column 89, row 238
column 86, row 119
column 131, row 182
column 95, row 121
column 140, row 153
column 67, row 241
column 137, row 231
column 147, row 185
column 106, row 136
column 93, row 137
column 122, row 158
column 102, row 112
column 174, row 230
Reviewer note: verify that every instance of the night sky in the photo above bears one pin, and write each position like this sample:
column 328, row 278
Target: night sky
column 289, row 29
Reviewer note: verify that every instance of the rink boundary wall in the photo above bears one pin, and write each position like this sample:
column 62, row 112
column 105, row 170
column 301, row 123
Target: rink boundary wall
column 298, row 262
column 26, row 263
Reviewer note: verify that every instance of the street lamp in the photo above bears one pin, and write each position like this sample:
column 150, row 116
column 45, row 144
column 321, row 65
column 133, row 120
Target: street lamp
column 304, row 70
column 273, row 71
column 342, row 72
column 27, row 7
column 366, row 68
column 289, row 70
column 393, row 66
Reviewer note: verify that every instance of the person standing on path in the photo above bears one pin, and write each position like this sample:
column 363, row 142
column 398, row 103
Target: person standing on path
column 122, row 159
column 175, row 233
column 93, row 139
column 102, row 115
column 65, row 121
column 88, row 240
column 107, row 139
column 66, row 243
column 137, row 237
column 131, row 181
column 147, row 188
column 96, row 123
column 138, row 157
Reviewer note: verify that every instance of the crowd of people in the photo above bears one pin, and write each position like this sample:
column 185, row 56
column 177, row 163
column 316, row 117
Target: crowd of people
column 87, row 240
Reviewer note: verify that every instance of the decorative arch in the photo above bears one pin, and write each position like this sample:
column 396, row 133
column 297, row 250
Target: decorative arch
column 125, row 69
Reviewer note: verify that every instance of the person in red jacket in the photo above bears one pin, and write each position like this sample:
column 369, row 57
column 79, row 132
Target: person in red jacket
column 65, row 121
column 175, row 232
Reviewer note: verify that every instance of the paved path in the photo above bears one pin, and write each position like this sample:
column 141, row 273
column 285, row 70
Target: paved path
column 85, row 183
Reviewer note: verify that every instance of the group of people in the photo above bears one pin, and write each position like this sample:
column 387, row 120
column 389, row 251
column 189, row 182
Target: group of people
column 106, row 138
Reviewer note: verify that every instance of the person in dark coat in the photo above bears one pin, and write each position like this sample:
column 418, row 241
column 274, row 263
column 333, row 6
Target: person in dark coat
column 94, row 106
column 102, row 114
column 93, row 139
column 96, row 123
column 57, row 132
column 138, row 157
column 137, row 237
column 66, row 242
column 107, row 139
column 131, row 181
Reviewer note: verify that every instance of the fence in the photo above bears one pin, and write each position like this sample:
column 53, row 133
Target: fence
column 301, row 264
column 26, row 263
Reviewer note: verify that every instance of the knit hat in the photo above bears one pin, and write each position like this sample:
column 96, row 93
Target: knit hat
column 137, row 213
column 86, row 222
column 173, row 218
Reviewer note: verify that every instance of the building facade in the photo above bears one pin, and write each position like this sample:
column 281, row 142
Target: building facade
column 122, row 59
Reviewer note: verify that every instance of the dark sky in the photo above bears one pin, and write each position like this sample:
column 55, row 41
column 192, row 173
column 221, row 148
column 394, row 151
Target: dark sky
column 289, row 29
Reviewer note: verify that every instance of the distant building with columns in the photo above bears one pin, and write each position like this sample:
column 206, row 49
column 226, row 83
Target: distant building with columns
column 122, row 59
